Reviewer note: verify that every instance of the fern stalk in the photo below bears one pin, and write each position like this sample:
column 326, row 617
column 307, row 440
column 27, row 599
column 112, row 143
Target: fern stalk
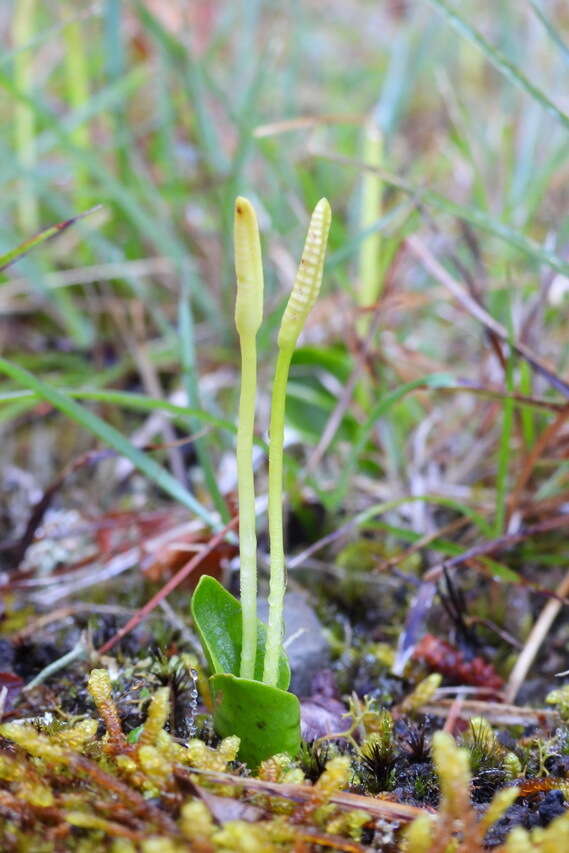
column 302, row 298
column 248, row 316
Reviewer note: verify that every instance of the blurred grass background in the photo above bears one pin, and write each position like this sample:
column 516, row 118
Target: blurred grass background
column 162, row 113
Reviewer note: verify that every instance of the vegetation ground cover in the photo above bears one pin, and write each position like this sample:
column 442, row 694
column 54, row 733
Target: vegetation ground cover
column 425, row 451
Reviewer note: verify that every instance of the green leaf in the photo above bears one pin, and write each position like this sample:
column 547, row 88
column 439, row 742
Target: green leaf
column 217, row 617
column 309, row 406
column 134, row 734
column 333, row 359
column 265, row 718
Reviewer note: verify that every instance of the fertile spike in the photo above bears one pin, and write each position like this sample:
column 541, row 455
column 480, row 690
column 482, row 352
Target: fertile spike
column 248, row 317
column 248, row 268
column 301, row 300
column 308, row 278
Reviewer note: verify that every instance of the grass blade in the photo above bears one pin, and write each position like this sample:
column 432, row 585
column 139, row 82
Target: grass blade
column 369, row 267
column 551, row 31
column 504, row 454
column 77, row 79
column 14, row 255
column 475, row 216
column 433, row 380
column 147, row 222
column 190, row 382
column 500, row 61
column 111, row 437
column 131, row 401
column 24, row 118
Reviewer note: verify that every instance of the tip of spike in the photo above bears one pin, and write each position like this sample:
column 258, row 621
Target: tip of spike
column 308, row 278
column 323, row 211
column 241, row 204
column 249, row 269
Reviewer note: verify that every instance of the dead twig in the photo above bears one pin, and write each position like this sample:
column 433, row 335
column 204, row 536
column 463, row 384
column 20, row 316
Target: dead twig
column 304, row 794
column 533, row 457
column 422, row 601
column 536, row 637
column 171, row 585
column 496, row 713
column 442, row 275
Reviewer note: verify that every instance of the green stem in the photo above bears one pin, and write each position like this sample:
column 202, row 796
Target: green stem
column 24, row 119
column 504, row 454
column 527, row 415
column 79, row 650
column 277, row 563
column 370, row 278
column 77, row 80
column 246, row 494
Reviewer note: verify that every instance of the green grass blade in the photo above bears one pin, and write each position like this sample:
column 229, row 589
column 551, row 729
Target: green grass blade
column 115, row 70
column 457, row 506
column 149, row 223
column 77, row 81
column 73, row 320
column 14, row 255
column 448, row 549
column 552, row 32
column 504, row 453
column 24, row 118
column 132, row 402
column 394, row 218
column 111, row 437
column 500, row 61
column 195, row 84
column 434, row 380
column 527, row 416
column 73, row 124
column 189, row 364
column 370, row 280
column 475, row 216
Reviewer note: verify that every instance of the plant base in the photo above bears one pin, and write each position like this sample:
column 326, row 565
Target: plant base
column 265, row 718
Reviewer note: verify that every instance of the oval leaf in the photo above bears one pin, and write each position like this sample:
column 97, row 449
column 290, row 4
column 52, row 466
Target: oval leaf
column 217, row 617
column 265, row 718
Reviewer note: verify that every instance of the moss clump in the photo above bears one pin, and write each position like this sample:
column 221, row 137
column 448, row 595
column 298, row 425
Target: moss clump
column 77, row 786
column 456, row 827
column 70, row 785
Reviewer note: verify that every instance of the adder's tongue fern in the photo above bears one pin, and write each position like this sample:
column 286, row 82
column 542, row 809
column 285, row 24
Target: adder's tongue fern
column 248, row 317
column 308, row 277
column 302, row 298
column 248, row 269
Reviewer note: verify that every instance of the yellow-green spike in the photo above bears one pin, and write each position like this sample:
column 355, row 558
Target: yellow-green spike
column 304, row 293
column 308, row 278
column 248, row 317
column 248, row 268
